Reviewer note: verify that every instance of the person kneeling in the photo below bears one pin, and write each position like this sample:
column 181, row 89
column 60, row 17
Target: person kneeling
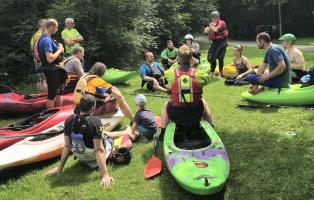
column 83, row 136
column 186, row 105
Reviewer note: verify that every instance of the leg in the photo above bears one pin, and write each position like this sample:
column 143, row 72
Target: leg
column 207, row 113
column 116, row 134
column 122, row 103
column 221, row 56
column 52, row 90
column 59, row 100
column 164, row 116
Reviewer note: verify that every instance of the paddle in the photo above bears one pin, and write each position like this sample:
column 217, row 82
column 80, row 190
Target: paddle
column 7, row 89
column 152, row 95
column 31, row 135
column 154, row 165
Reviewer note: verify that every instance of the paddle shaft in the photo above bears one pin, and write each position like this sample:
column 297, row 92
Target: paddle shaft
column 151, row 95
column 30, row 135
column 155, row 144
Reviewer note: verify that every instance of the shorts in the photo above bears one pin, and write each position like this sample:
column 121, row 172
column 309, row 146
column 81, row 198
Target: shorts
column 54, row 83
column 147, row 133
column 185, row 114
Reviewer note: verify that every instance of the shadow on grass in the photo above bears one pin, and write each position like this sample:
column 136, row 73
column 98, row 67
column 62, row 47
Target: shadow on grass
column 16, row 172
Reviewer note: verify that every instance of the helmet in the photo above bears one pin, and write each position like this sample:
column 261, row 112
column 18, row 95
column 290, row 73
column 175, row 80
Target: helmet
column 214, row 14
column 188, row 37
column 122, row 156
column 288, row 37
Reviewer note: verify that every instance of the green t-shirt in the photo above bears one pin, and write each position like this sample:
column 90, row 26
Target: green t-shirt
column 165, row 54
column 201, row 73
column 70, row 34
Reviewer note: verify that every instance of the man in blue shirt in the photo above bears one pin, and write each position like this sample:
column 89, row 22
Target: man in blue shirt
column 279, row 66
column 151, row 73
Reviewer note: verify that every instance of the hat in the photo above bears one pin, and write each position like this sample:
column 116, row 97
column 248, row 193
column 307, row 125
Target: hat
column 140, row 99
column 69, row 20
column 288, row 37
column 214, row 14
column 188, row 37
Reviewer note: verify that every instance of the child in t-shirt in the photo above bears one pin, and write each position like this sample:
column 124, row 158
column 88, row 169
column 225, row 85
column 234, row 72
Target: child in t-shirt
column 144, row 125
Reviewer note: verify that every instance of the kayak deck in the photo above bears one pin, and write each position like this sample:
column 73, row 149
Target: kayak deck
column 199, row 164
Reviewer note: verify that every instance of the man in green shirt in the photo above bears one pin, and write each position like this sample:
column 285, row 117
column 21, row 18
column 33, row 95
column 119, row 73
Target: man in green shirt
column 70, row 36
column 169, row 55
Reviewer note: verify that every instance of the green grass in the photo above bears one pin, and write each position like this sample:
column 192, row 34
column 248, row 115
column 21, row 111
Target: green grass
column 265, row 162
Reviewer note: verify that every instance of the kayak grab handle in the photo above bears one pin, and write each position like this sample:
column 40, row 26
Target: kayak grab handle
column 206, row 182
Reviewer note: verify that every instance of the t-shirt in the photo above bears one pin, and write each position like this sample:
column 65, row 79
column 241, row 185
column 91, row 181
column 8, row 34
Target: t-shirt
column 146, row 118
column 70, row 34
column 46, row 44
column 165, row 54
column 89, row 133
column 34, row 38
column 275, row 54
column 97, row 82
column 146, row 70
column 73, row 65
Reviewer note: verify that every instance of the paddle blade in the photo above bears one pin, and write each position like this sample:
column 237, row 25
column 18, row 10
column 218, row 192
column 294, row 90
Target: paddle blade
column 158, row 121
column 152, row 167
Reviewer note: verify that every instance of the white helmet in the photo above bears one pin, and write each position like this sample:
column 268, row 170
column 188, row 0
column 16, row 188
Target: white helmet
column 188, row 37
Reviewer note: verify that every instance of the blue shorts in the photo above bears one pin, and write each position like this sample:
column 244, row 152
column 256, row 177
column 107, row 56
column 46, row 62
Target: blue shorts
column 147, row 133
column 271, row 83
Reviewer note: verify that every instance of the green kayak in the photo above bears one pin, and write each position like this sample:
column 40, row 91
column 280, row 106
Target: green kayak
column 196, row 158
column 293, row 96
column 116, row 76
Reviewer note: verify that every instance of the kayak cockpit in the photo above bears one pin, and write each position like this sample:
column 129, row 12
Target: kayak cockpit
column 190, row 137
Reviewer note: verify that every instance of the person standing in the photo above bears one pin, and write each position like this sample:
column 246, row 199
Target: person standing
column 51, row 54
column 71, row 36
column 295, row 55
column 217, row 33
column 279, row 67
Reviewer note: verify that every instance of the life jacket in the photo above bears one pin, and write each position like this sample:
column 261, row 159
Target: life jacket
column 185, row 89
column 81, row 87
column 218, row 35
column 86, row 155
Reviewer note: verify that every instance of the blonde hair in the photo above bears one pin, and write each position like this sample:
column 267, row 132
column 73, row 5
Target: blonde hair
column 185, row 54
column 51, row 22
column 239, row 48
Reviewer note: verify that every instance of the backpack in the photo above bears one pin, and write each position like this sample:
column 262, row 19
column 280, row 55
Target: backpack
column 185, row 88
column 81, row 87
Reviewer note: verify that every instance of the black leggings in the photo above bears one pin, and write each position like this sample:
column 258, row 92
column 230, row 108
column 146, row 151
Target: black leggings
column 217, row 51
column 54, row 83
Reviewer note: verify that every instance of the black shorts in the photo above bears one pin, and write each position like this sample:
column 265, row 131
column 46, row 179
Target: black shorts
column 185, row 114
column 54, row 82
column 70, row 87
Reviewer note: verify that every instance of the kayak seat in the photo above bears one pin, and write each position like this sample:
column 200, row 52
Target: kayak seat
column 190, row 137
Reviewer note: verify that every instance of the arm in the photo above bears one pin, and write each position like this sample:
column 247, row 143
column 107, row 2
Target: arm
column 68, row 41
column 64, row 157
column 101, row 161
column 53, row 56
column 79, row 38
column 133, row 127
column 299, row 59
column 247, row 63
column 262, row 68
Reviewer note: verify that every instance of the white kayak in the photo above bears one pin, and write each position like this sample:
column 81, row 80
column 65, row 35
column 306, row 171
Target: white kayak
column 36, row 149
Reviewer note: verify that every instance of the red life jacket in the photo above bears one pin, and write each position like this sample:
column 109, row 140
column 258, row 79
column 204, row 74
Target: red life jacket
column 185, row 89
column 218, row 35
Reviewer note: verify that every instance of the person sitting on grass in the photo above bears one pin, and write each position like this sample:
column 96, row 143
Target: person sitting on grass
column 92, row 83
column 169, row 55
column 83, row 136
column 279, row 67
column 73, row 65
column 295, row 56
column 242, row 65
column 144, row 125
column 186, row 105
column 151, row 74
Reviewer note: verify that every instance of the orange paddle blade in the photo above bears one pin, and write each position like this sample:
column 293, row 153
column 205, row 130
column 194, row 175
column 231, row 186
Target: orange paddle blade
column 152, row 167
column 158, row 121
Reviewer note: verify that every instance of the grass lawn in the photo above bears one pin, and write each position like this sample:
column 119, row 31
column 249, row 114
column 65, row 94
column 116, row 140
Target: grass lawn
column 265, row 162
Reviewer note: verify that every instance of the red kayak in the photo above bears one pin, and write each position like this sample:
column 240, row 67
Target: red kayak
column 15, row 103
column 43, row 121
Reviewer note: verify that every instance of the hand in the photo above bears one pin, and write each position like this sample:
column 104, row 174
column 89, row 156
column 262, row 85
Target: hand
column 106, row 181
column 262, row 78
column 60, row 47
column 207, row 29
column 53, row 171
column 239, row 77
